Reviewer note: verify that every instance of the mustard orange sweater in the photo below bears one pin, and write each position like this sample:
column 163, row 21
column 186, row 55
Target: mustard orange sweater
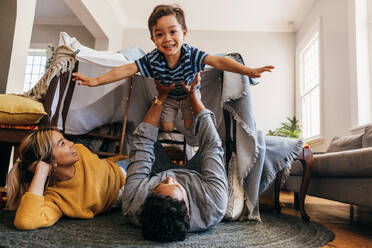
column 93, row 189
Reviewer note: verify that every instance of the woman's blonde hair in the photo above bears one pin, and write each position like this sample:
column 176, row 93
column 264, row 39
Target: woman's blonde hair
column 37, row 146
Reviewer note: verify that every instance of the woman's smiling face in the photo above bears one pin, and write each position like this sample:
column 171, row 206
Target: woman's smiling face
column 64, row 153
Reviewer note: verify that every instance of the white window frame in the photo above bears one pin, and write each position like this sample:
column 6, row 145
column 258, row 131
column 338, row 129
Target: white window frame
column 369, row 30
column 29, row 68
column 313, row 33
column 363, row 62
column 360, row 39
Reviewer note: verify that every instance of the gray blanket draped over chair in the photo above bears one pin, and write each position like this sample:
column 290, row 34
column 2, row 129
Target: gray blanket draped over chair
column 259, row 157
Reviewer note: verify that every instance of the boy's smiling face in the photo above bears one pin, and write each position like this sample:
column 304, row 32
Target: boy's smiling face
column 168, row 37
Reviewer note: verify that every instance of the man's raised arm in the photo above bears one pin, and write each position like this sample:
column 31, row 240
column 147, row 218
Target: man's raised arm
column 210, row 145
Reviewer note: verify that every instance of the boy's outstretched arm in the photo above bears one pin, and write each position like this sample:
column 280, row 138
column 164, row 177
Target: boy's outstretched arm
column 115, row 74
column 227, row 64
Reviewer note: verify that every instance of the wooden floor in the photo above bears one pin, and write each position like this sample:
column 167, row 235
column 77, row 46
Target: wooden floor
column 336, row 217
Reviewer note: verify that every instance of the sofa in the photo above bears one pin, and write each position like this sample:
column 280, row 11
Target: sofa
column 343, row 173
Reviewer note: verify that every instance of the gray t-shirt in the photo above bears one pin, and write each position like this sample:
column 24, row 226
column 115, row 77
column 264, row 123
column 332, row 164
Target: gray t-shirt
column 206, row 191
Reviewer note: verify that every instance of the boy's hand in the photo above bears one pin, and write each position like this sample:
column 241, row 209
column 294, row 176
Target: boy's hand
column 192, row 87
column 256, row 72
column 163, row 90
column 91, row 82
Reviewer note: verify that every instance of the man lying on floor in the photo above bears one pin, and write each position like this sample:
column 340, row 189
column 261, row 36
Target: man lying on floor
column 172, row 202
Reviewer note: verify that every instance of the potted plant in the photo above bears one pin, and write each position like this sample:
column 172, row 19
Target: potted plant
column 290, row 129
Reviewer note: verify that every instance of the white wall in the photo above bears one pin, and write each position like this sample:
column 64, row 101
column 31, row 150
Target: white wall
column 335, row 60
column 101, row 19
column 273, row 98
column 21, row 42
column 48, row 34
column 8, row 14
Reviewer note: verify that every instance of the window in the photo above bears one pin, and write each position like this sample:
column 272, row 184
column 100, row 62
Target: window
column 308, row 81
column 362, row 62
column 369, row 25
column 310, row 89
column 35, row 68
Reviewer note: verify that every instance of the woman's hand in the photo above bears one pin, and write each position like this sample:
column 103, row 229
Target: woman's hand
column 91, row 82
column 256, row 72
column 45, row 167
column 42, row 167
column 41, row 171
column 192, row 87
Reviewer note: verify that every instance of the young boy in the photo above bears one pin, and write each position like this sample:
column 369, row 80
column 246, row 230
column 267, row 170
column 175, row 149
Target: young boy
column 172, row 62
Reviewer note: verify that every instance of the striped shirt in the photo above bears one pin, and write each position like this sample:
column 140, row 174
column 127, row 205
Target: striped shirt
column 155, row 65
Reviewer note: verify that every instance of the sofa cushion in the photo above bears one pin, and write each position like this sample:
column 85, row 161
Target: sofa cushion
column 353, row 163
column 367, row 137
column 348, row 190
column 345, row 143
column 20, row 110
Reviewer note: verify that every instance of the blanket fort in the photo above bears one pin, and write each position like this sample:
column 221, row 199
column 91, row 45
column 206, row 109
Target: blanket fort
column 258, row 158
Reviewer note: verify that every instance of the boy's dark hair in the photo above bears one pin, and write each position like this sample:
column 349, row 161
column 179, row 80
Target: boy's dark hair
column 164, row 219
column 165, row 10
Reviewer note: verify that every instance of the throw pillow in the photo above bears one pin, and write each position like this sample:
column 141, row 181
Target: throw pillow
column 235, row 204
column 20, row 110
column 344, row 143
column 367, row 137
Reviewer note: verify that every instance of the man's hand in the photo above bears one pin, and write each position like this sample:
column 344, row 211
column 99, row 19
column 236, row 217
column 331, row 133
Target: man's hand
column 192, row 87
column 91, row 82
column 163, row 90
column 256, row 72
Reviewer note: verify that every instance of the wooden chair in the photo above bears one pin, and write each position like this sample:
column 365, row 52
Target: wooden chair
column 10, row 137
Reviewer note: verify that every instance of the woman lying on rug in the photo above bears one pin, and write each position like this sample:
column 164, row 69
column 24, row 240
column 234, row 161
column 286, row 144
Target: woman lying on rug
column 55, row 177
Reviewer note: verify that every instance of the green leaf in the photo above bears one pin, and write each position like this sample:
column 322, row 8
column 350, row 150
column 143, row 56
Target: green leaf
column 289, row 129
column 271, row 133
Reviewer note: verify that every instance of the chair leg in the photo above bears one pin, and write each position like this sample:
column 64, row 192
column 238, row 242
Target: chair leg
column 306, row 158
column 5, row 151
column 184, row 150
column 2, row 196
column 295, row 201
column 351, row 213
column 278, row 180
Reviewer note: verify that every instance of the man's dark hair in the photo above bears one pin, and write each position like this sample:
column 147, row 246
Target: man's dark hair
column 164, row 218
column 165, row 10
